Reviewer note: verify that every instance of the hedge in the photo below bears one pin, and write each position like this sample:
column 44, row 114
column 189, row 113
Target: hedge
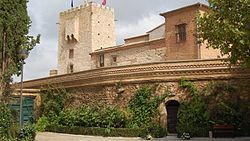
column 111, row 132
column 96, row 131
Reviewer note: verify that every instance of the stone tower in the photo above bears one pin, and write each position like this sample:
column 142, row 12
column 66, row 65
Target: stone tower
column 83, row 30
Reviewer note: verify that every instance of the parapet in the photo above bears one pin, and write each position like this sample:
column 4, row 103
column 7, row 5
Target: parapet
column 84, row 6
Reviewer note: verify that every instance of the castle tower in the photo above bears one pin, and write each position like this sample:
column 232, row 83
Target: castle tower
column 83, row 30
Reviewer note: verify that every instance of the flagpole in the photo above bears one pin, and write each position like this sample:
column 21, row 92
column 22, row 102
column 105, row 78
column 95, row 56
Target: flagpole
column 72, row 3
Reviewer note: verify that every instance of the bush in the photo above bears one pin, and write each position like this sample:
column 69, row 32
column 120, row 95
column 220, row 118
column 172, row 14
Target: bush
column 28, row 133
column 143, row 107
column 96, row 131
column 6, row 121
column 93, row 116
column 155, row 130
column 42, row 124
column 193, row 117
column 53, row 100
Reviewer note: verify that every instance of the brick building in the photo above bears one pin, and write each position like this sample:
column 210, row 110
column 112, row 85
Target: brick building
column 90, row 64
column 87, row 39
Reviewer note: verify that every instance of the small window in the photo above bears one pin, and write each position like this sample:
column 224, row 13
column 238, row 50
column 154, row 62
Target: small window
column 181, row 33
column 114, row 60
column 71, row 68
column 98, row 34
column 71, row 53
column 68, row 38
column 101, row 60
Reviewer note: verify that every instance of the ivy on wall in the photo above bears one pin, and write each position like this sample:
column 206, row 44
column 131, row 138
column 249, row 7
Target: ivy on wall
column 218, row 103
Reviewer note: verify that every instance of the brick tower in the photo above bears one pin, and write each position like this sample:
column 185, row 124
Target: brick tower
column 83, row 30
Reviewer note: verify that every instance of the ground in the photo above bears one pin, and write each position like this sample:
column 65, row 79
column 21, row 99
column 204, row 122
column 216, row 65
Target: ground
column 46, row 136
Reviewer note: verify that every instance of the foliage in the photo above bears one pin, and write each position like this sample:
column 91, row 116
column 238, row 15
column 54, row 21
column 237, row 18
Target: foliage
column 143, row 107
column 53, row 100
column 42, row 124
column 9, row 130
column 96, row 131
column 224, row 104
column 96, row 115
column 155, row 130
column 14, row 29
column 217, row 104
column 28, row 133
column 227, row 27
column 224, row 113
column 193, row 117
column 103, row 116
column 6, row 121
column 93, row 116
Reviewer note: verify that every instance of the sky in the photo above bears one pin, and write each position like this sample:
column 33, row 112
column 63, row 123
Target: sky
column 133, row 17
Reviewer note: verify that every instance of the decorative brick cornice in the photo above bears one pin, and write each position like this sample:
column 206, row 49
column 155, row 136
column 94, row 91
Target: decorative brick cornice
column 154, row 72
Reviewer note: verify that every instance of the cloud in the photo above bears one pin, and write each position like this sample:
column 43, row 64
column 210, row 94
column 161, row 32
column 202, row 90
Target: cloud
column 140, row 27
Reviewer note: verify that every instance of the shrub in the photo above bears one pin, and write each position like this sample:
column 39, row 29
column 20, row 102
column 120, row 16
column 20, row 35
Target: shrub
column 42, row 124
column 53, row 99
column 193, row 117
column 155, row 130
column 143, row 107
column 28, row 133
column 114, row 132
column 6, row 121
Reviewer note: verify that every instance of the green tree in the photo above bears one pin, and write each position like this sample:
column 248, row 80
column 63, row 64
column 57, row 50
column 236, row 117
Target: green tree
column 14, row 29
column 227, row 27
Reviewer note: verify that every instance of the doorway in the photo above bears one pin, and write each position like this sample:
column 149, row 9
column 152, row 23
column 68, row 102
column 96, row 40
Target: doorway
column 172, row 107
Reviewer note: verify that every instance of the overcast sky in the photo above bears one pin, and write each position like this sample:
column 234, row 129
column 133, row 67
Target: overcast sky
column 134, row 17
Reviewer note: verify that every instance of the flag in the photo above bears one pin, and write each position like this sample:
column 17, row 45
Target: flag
column 104, row 2
column 72, row 3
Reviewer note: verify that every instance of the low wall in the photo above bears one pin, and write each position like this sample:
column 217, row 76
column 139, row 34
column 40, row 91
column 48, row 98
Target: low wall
column 116, row 85
column 215, row 69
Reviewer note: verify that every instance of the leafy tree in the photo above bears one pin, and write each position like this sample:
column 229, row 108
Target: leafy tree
column 227, row 27
column 14, row 29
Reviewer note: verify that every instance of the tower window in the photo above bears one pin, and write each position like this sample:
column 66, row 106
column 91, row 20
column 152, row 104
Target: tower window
column 71, row 53
column 180, row 33
column 71, row 68
column 113, row 60
column 101, row 60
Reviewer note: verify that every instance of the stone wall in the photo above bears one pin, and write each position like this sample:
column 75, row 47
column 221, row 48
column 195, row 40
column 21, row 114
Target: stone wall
column 139, row 53
column 116, row 85
column 111, row 94
column 92, row 26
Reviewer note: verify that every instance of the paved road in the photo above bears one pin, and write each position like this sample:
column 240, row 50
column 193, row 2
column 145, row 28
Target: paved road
column 46, row 136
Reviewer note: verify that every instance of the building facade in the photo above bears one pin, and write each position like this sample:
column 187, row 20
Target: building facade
column 87, row 39
column 91, row 65
column 83, row 30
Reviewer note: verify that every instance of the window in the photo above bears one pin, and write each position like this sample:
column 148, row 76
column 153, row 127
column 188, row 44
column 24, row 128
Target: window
column 71, row 68
column 181, row 33
column 113, row 60
column 101, row 60
column 71, row 53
